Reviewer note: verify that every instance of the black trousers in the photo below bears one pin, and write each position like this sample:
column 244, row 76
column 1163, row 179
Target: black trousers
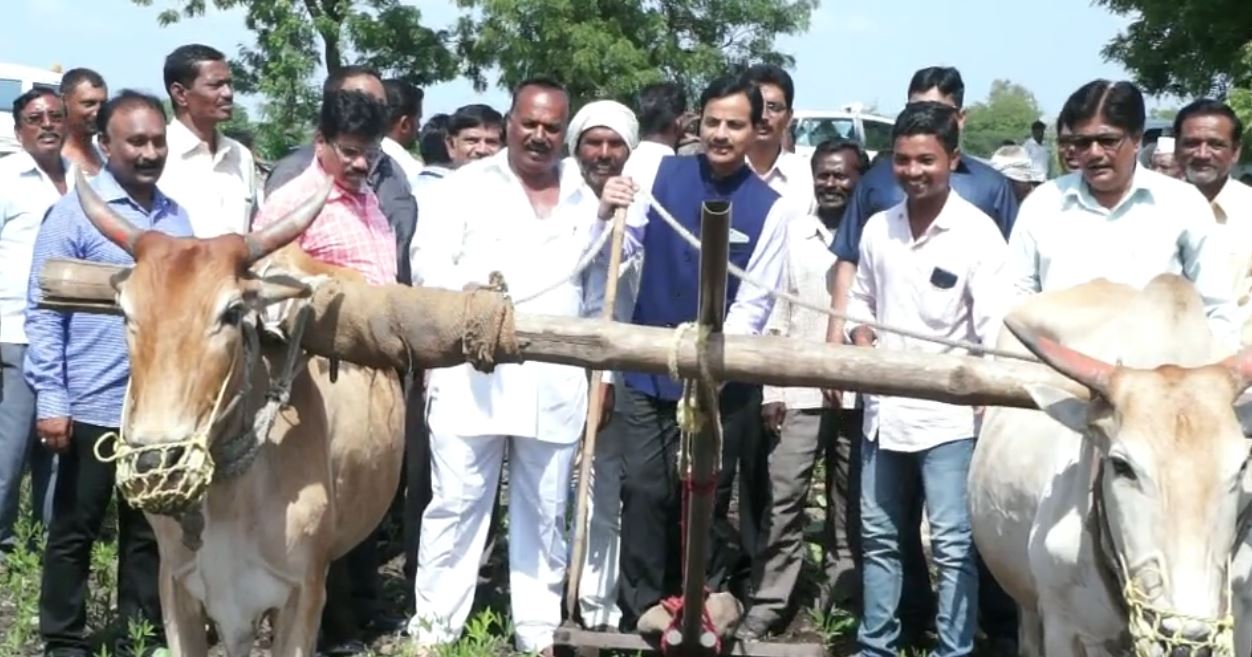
column 651, row 553
column 84, row 486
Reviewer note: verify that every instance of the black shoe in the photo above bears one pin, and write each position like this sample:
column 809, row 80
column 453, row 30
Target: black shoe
column 386, row 623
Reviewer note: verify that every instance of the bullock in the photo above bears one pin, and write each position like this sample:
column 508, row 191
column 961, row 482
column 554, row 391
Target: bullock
column 249, row 503
column 1113, row 521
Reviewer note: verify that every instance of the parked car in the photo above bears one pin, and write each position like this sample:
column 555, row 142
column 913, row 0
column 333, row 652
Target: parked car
column 811, row 127
column 15, row 80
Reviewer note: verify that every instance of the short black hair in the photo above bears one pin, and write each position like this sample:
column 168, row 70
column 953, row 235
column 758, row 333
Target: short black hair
column 929, row 118
column 126, row 98
column 352, row 113
column 1120, row 103
column 27, row 98
column 431, row 142
column 775, row 75
column 476, row 115
column 76, row 76
column 1209, row 107
column 183, row 64
column 403, row 99
column 541, row 81
column 1038, row 125
column 733, row 85
column 335, row 80
column 660, row 105
column 944, row 78
column 831, row 146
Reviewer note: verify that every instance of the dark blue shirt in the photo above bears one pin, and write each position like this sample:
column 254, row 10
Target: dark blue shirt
column 878, row 190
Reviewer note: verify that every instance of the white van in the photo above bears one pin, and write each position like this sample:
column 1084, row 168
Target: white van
column 812, row 127
column 15, row 80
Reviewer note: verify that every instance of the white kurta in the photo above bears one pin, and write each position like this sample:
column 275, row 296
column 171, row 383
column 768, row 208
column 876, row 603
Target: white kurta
column 481, row 221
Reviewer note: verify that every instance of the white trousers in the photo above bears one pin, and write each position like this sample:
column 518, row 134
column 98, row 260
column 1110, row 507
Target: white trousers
column 597, row 588
column 465, row 471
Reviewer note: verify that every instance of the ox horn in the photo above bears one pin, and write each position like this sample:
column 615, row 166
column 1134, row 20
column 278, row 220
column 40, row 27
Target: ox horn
column 280, row 233
column 1084, row 369
column 112, row 225
column 1240, row 365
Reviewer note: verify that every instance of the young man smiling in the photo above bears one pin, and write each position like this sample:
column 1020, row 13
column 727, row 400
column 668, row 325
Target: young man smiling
column 928, row 264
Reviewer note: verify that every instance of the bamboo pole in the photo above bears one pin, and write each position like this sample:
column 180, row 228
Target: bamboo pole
column 72, row 285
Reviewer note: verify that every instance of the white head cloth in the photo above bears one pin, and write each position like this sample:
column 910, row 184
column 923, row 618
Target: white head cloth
column 603, row 114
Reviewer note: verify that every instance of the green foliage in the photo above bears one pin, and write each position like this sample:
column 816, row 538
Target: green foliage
column 1184, row 47
column 1163, row 113
column 294, row 38
column 1007, row 114
column 612, row 48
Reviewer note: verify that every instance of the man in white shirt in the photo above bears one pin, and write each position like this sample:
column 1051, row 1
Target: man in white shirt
column 1037, row 152
column 31, row 180
column 601, row 138
column 1116, row 219
column 526, row 214
column 787, row 173
column 211, row 175
column 801, row 426
column 930, row 265
column 1209, row 137
column 404, row 107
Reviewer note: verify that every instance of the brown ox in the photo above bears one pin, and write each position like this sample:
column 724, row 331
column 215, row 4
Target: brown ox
column 253, row 534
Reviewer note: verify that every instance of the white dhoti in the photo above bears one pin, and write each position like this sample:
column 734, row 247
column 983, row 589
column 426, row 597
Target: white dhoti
column 597, row 588
column 465, row 473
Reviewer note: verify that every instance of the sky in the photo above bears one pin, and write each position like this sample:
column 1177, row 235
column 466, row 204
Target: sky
column 853, row 52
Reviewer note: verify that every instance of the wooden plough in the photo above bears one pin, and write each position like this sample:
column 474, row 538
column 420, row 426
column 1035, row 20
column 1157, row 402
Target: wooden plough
column 415, row 327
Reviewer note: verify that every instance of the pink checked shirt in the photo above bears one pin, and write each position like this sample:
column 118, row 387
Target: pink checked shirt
column 350, row 232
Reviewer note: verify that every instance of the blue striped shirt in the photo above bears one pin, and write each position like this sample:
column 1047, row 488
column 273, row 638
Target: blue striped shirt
column 78, row 363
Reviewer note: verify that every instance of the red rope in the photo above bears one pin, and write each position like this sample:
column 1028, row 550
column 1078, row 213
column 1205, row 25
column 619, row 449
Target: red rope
column 674, row 603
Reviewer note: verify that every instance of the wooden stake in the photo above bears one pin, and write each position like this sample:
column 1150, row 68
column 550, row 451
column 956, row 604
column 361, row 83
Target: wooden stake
column 592, row 430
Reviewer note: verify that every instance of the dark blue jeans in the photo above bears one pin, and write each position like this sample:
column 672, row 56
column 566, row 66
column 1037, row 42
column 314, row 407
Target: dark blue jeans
column 19, row 449
column 887, row 482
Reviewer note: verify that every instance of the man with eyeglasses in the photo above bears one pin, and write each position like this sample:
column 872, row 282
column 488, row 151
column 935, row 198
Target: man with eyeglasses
column 1209, row 137
column 1115, row 219
column 31, row 180
column 784, row 171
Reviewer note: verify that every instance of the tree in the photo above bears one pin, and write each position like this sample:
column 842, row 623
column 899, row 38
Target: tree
column 1163, row 113
column 296, row 37
column 612, row 48
column 1184, row 47
column 1006, row 115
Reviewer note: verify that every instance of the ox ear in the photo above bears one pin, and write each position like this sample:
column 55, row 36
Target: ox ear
column 1071, row 411
column 274, row 288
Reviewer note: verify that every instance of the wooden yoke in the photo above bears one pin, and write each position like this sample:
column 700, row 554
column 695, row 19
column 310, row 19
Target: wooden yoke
column 703, row 451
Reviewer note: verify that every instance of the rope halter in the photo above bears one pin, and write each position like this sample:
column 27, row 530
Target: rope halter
column 178, row 473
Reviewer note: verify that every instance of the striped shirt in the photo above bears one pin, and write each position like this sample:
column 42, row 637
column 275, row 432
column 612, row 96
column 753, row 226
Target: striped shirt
column 78, row 363
column 350, row 232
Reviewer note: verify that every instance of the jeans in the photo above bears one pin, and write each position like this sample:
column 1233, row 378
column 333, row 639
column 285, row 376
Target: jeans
column 19, row 449
column 887, row 481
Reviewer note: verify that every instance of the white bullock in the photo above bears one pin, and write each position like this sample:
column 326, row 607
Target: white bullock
column 1112, row 522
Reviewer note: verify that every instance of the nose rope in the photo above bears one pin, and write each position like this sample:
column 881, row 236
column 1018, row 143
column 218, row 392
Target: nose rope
column 1146, row 624
column 182, row 471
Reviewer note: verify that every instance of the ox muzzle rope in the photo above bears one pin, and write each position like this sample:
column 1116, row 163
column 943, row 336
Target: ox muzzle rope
column 1145, row 621
column 171, row 478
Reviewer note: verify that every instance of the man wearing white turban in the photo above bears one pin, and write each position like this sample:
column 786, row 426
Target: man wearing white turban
column 601, row 136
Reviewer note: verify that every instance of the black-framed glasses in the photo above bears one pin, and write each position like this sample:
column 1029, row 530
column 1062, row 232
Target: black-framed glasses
column 1082, row 143
column 38, row 118
column 371, row 154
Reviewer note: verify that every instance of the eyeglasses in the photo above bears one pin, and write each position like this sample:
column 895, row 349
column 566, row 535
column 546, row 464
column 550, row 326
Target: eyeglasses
column 775, row 107
column 38, row 118
column 350, row 153
column 1082, row 143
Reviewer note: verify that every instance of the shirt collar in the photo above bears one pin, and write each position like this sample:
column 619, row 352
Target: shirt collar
column 783, row 166
column 27, row 165
column 182, row 141
column 1074, row 189
column 945, row 221
column 112, row 191
column 1227, row 200
column 569, row 176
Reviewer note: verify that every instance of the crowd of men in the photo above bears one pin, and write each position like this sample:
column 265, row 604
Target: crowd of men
column 925, row 239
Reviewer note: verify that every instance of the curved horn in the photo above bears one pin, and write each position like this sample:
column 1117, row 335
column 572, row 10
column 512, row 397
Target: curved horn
column 1084, row 369
column 112, row 225
column 280, row 233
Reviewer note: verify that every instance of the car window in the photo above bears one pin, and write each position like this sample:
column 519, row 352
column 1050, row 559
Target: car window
column 9, row 91
column 877, row 135
column 812, row 131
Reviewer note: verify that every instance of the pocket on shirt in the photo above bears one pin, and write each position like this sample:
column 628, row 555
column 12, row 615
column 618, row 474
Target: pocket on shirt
column 939, row 297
